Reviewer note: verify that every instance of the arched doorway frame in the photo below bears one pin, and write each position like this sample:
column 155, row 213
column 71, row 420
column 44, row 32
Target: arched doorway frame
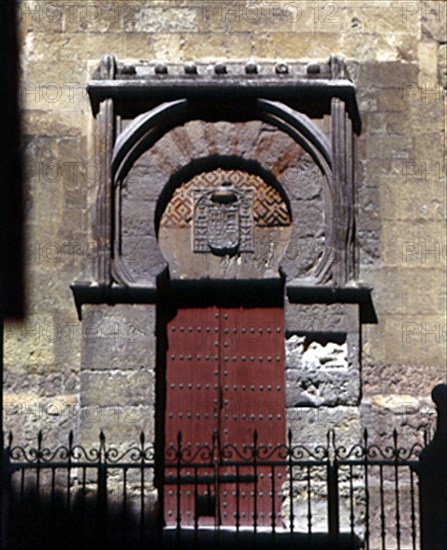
column 148, row 128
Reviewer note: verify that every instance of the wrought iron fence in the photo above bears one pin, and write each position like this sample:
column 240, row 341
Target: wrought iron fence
column 361, row 496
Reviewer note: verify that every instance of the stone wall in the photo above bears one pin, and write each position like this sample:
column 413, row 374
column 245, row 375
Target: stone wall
column 396, row 54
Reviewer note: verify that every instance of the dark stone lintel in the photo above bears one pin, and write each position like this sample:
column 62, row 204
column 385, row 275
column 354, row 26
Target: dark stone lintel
column 359, row 294
column 206, row 88
column 206, row 290
column 88, row 293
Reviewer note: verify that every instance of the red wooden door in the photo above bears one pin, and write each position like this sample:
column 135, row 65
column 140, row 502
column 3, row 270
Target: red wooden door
column 252, row 382
column 192, row 400
column 225, row 375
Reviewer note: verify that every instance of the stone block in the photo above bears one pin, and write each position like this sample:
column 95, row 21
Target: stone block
column 367, row 100
column 117, row 388
column 295, row 45
column 27, row 413
column 164, row 47
column 392, row 99
column 426, row 106
column 121, row 424
column 30, row 341
column 278, row 17
column 311, row 216
column 386, row 74
column 416, row 339
column 40, row 17
column 405, row 379
column 429, row 149
column 160, row 19
column 216, row 46
column 373, row 168
column 379, row 18
column 46, row 380
column 135, row 248
column 394, row 290
column 322, row 318
column 310, row 425
column 406, row 243
column 395, row 147
column 378, row 47
column 118, row 337
column 381, row 414
column 416, row 195
column 138, row 218
column 301, row 255
column 141, row 182
column 53, row 123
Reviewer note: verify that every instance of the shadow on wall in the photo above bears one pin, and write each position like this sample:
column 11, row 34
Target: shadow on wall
column 52, row 522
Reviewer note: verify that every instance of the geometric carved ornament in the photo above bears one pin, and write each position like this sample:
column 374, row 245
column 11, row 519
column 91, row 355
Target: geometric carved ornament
column 268, row 208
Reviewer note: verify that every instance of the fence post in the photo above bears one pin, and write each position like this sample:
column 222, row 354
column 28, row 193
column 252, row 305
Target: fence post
column 432, row 470
column 332, row 487
column 101, row 517
column 5, row 472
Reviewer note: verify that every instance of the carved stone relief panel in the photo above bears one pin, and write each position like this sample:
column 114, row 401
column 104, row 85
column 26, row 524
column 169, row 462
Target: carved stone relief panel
column 226, row 217
column 223, row 220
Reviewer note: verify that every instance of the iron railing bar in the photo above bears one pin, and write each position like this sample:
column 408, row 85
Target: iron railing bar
column 238, row 496
column 81, row 465
column 290, row 472
column 53, row 489
column 108, row 465
column 124, row 507
column 266, row 464
column 178, row 518
column 351, row 504
column 396, row 489
column 382, row 510
column 376, row 462
column 196, row 500
column 367, row 527
column 142, row 514
column 255, row 491
column 413, row 510
column 189, row 479
column 309, row 503
column 273, row 496
column 83, row 484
